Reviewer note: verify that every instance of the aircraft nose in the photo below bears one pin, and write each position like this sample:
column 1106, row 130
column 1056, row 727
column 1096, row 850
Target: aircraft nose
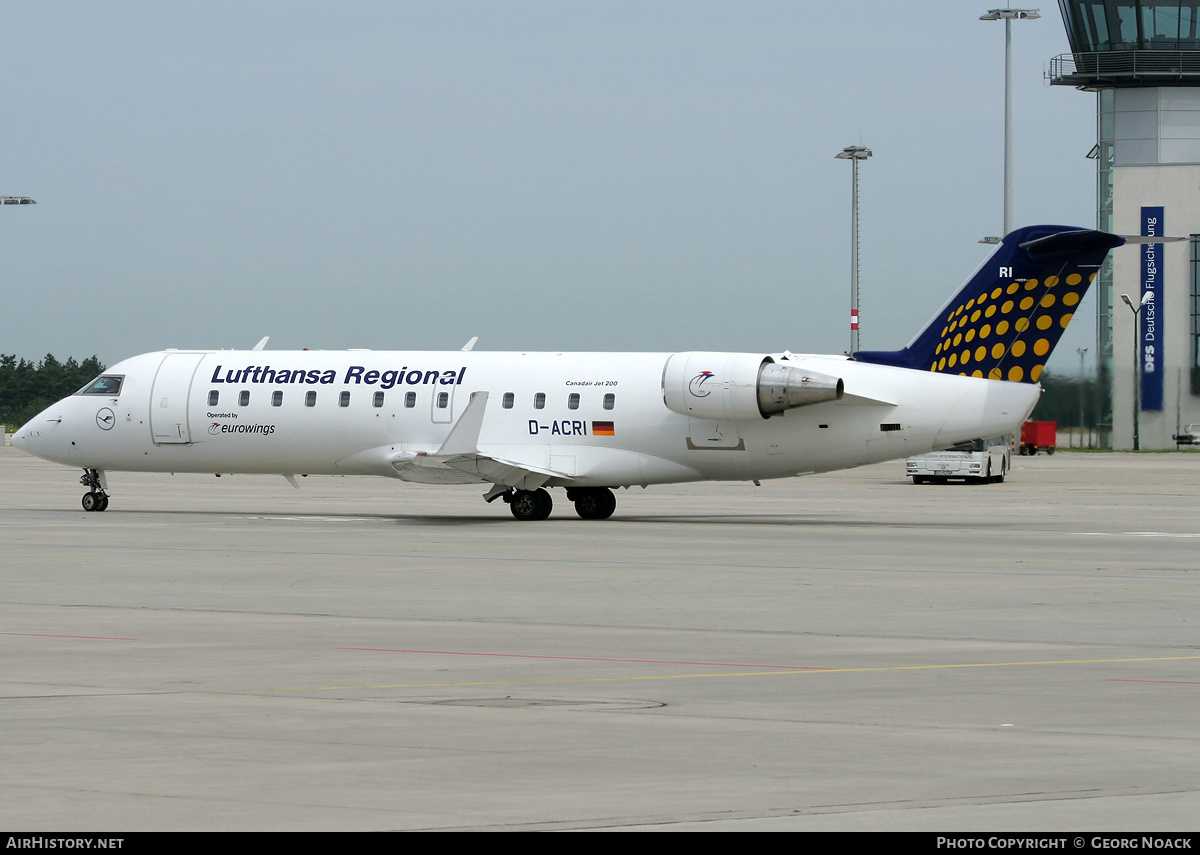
column 28, row 440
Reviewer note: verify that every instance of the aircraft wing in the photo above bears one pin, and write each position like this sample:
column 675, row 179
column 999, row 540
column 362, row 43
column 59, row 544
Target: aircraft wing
column 461, row 452
column 510, row 473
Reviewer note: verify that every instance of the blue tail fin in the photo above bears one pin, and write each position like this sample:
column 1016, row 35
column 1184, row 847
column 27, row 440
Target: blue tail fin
column 1009, row 316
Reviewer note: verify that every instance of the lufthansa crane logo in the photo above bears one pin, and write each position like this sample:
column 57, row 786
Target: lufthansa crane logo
column 696, row 386
column 105, row 419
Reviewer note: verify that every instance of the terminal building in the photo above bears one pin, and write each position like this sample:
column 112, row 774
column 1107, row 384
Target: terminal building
column 1142, row 59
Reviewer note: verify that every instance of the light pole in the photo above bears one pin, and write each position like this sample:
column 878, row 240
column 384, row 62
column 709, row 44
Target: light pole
column 1137, row 362
column 853, row 153
column 1008, row 16
column 1082, row 385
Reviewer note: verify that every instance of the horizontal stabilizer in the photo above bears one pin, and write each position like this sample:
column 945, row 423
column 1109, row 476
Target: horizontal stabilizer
column 1151, row 238
column 1069, row 244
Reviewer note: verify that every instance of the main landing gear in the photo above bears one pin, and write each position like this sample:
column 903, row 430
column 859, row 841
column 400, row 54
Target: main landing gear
column 95, row 499
column 591, row 503
column 529, row 504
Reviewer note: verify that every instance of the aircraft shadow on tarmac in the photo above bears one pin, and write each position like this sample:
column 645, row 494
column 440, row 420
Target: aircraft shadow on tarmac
column 467, row 520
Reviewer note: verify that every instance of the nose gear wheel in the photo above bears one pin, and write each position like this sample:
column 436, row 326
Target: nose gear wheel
column 95, row 499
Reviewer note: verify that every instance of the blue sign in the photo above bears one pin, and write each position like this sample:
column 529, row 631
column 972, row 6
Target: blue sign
column 1150, row 319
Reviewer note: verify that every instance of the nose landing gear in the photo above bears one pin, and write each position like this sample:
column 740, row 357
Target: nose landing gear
column 95, row 499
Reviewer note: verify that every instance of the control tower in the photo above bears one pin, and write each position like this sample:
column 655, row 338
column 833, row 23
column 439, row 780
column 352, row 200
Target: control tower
column 1142, row 59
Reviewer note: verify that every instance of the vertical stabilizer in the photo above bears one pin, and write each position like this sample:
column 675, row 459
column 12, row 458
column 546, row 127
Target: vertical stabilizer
column 1006, row 320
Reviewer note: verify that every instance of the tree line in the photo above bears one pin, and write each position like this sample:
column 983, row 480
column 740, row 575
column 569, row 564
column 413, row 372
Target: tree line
column 1063, row 397
column 27, row 388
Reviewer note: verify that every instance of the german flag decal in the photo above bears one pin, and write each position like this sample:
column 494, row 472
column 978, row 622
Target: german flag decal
column 603, row 429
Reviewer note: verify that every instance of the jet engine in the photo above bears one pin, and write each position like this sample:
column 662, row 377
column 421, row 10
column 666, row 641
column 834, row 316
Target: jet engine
column 741, row 386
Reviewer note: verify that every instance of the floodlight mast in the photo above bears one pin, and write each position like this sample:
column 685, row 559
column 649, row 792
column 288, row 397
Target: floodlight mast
column 853, row 153
column 1008, row 16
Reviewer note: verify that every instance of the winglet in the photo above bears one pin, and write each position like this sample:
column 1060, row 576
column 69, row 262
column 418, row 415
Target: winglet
column 464, row 436
column 261, row 344
column 471, row 344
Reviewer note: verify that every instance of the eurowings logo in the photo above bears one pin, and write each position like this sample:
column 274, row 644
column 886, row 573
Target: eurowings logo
column 696, row 386
column 264, row 430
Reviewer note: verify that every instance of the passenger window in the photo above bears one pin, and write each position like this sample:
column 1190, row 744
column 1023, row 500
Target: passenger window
column 344, row 399
column 378, row 399
column 573, row 401
column 509, row 397
column 277, row 398
column 310, row 399
column 410, row 400
column 539, row 401
column 443, row 400
column 244, row 398
column 213, row 397
column 610, row 401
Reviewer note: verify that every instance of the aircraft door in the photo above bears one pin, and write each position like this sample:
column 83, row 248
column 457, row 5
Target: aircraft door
column 169, row 397
column 706, row 433
column 443, row 404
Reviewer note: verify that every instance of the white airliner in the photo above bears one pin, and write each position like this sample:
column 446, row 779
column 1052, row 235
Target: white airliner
column 584, row 422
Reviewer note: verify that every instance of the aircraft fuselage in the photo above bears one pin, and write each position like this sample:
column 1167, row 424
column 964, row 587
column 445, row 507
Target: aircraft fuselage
column 588, row 419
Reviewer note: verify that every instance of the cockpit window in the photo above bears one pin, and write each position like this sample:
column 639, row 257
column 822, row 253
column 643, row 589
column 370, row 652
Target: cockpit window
column 108, row 385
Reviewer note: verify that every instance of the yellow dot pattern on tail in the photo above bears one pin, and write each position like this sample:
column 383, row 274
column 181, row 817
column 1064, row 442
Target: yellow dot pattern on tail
column 1007, row 331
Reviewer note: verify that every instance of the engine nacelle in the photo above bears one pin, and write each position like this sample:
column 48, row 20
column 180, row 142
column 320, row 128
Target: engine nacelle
column 741, row 386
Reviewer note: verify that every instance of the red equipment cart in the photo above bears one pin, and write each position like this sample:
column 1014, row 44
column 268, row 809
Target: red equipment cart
column 1036, row 436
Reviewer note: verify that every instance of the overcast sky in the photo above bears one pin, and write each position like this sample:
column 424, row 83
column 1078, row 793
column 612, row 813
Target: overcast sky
column 544, row 175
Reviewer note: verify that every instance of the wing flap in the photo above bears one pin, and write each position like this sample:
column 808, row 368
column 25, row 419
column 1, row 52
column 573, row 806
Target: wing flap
column 510, row 473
